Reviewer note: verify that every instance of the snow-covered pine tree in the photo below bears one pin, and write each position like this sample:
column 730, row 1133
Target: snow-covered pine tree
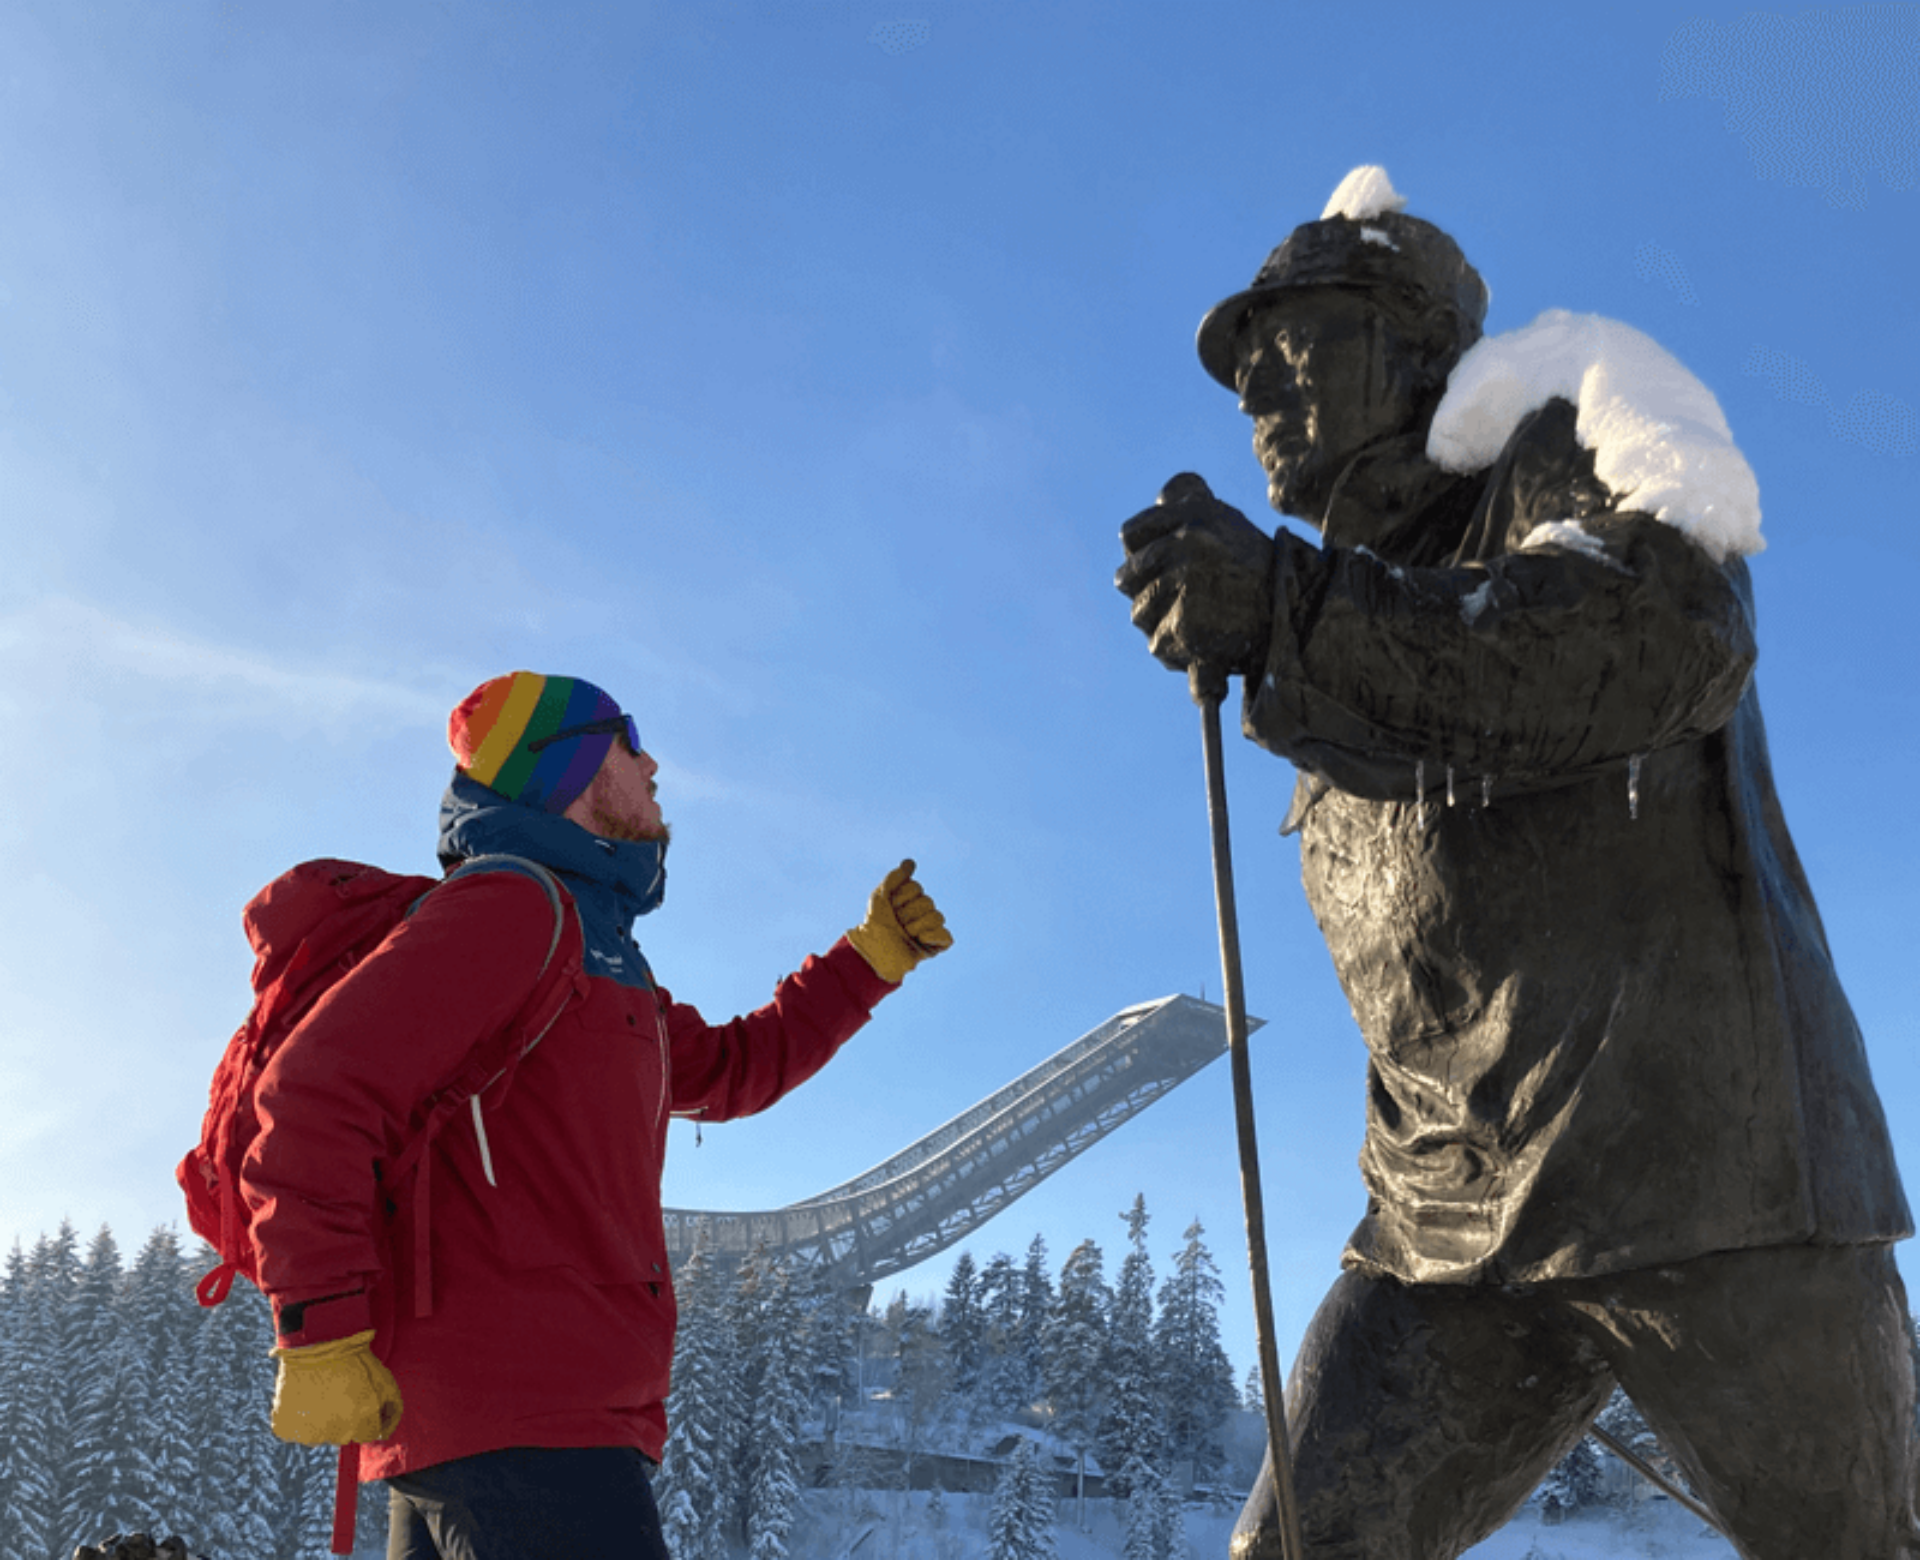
column 1622, row 1419
column 301, row 1517
column 746, row 1328
column 963, row 1326
column 1154, row 1529
column 1196, row 1381
column 920, row 1377
column 107, row 1458
column 1020, row 1526
column 1035, row 1316
column 160, row 1316
column 680, row 1521
column 1574, row 1482
column 1130, row 1427
column 1143, row 1483
column 1253, row 1395
column 234, row 1487
column 370, row 1516
column 1077, row 1351
column 12, row 1289
column 1007, row 1520
column 829, row 1327
column 35, row 1483
column 883, row 1350
column 693, row 1502
column 1170, row 1523
column 1002, row 1368
column 778, row 1412
column 27, row 1476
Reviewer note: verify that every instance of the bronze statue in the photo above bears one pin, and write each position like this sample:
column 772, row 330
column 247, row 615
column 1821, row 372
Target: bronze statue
column 1620, row 1127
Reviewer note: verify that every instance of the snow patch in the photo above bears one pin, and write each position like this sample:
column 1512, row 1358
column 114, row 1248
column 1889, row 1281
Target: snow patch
column 1659, row 439
column 1393, row 569
column 1374, row 235
column 1365, row 193
column 1571, row 536
column 1475, row 602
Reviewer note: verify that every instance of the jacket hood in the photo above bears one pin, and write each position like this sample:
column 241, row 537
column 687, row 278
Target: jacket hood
column 612, row 879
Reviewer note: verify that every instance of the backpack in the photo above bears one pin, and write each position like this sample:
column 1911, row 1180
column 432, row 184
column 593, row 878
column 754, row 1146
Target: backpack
column 309, row 927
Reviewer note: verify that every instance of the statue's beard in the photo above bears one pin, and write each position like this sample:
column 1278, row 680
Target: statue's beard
column 1299, row 484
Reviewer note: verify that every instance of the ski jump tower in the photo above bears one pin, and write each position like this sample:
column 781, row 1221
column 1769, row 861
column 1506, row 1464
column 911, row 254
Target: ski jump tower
column 937, row 1191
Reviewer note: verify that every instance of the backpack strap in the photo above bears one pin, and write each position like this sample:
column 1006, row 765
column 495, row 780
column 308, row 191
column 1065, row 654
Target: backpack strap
column 491, row 1060
column 551, row 989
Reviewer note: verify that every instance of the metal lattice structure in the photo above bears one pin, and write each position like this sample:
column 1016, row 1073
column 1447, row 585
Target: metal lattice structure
column 939, row 1190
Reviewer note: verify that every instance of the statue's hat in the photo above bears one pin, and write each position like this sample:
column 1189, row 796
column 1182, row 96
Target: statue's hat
column 1362, row 242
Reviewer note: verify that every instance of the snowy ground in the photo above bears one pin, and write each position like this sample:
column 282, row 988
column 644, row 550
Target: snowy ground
column 1657, row 1528
column 887, row 1525
column 860, row 1525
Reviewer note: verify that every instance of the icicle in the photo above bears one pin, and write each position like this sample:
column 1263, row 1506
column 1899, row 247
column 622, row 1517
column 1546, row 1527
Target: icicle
column 1420, row 792
column 1486, row 790
column 1633, row 785
column 1449, row 785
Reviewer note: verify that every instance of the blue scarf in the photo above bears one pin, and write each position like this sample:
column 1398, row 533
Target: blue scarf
column 613, row 882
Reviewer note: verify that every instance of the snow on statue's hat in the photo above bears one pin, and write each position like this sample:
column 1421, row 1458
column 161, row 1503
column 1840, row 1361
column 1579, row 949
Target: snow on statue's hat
column 1363, row 242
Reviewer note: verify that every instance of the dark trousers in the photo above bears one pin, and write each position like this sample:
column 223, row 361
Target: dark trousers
column 1779, row 1380
column 527, row 1503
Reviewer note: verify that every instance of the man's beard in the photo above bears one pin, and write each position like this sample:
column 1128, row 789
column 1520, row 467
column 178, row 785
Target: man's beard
column 620, row 826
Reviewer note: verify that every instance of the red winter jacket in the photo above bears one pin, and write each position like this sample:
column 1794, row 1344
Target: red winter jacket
column 552, row 1310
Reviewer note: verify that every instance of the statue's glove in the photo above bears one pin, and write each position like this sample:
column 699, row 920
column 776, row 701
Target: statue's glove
column 1201, row 577
column 331, row 1393
column 903, row 926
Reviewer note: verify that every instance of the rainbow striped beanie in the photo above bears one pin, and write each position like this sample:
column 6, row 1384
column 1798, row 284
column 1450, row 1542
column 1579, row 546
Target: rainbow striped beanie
column 490, row 728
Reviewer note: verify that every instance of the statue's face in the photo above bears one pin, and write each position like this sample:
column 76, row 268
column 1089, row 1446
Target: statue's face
column 1323, row 374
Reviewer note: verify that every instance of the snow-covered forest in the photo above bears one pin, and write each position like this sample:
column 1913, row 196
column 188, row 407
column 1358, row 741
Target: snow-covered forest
column 1031, row 1410
column 126, row 1407
column 1020, row 1382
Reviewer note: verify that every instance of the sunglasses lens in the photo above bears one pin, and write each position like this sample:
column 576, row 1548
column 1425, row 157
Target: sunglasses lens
column 633, row 733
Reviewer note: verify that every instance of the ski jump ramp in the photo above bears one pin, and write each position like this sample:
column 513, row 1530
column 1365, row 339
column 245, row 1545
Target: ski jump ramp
column 937, row 1191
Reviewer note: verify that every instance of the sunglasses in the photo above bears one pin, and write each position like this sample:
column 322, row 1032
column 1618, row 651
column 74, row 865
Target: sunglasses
column 611, row 725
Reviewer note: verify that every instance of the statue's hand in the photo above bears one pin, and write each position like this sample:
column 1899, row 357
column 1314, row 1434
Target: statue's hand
column 1201, row 577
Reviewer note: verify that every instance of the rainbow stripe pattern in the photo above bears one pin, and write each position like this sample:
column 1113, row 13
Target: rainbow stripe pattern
column 490, row 728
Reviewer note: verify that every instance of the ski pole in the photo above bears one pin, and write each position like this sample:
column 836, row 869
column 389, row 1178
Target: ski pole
column 1209, row 687
column 1655, row 1477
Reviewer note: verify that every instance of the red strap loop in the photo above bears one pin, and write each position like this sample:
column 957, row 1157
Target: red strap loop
column 346, row 1499
column 212, row 1289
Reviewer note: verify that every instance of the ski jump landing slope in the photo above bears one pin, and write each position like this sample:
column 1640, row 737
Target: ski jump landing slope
column 937, row 1191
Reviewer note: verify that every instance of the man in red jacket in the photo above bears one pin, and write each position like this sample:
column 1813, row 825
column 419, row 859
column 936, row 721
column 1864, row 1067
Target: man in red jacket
column 511, row 1387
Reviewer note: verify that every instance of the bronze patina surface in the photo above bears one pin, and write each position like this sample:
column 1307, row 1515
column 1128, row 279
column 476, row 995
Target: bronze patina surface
column 1620, row 1124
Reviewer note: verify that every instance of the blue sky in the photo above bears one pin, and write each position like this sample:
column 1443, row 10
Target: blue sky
column 788, row 369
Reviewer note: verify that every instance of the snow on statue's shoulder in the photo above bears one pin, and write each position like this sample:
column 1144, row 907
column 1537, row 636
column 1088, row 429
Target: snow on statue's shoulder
column 1659, row 439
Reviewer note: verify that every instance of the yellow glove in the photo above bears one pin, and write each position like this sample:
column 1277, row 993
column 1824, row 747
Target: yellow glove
column 903, row 926
column 331, row 1393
